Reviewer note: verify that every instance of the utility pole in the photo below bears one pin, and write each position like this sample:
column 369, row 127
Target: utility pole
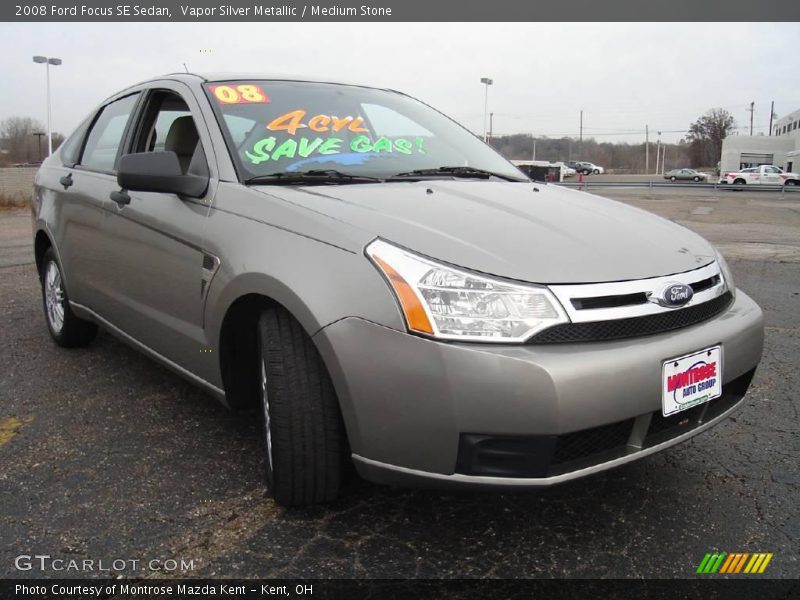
column 771, row 115
column 491, row 120
column 39, row 135
column 534, row 146
column 646, row 149
column 751, row 110
column 658, row 151
column 580, row 138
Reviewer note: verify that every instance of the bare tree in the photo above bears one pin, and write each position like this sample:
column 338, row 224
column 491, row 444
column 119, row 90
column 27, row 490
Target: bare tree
column 18, row 139
column 706, row 134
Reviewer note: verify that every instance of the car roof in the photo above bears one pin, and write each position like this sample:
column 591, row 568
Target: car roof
column 190, row 78
column 254, row 76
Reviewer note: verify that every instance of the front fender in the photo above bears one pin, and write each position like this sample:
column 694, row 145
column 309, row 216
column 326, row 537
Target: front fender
column 317, row 282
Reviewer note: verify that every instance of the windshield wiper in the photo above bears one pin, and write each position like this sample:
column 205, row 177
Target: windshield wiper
column 462, row 171
column 315, row 176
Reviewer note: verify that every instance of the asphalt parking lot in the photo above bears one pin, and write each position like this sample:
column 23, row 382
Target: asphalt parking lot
column 105, row 455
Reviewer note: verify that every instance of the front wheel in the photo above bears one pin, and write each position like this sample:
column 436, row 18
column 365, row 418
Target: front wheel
column 696, row 178
column 303, row 432
column 65, row 328
column 596, row 171
column 673, row 178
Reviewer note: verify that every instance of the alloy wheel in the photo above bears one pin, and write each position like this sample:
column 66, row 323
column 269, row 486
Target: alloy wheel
column 54, row 297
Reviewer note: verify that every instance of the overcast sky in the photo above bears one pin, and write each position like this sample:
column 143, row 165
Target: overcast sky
column 623, row 76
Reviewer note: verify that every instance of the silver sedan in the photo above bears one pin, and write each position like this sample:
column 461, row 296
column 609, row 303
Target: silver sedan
column 685, row 175
column 383, row 288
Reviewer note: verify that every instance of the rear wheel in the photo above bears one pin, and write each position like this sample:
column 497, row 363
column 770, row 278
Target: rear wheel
column 673, row 178
column 302, row 427
column 739, row 182
column 792, row 182
column 65, row 328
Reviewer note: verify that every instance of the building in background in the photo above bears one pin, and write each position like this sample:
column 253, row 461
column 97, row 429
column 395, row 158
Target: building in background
column 781, row 149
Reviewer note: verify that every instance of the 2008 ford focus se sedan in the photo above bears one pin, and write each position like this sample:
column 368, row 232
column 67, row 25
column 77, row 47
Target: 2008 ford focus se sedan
column 384, row 287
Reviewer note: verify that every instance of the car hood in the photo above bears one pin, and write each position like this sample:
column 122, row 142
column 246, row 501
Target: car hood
column 553, row 235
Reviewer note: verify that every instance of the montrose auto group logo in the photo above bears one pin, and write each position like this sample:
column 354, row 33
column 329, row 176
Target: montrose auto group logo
column 700, row 376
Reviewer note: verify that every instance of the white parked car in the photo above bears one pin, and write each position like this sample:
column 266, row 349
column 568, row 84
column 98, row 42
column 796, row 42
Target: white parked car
column 596, row 169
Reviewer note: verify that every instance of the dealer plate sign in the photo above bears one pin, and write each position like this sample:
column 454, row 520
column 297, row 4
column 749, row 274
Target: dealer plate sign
column 690, row 380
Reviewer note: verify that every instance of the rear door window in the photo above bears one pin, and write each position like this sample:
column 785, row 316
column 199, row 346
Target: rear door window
column 105, row 137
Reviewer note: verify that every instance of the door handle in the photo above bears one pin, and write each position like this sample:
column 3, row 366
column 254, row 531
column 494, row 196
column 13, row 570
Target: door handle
column 121, row 197
column 66, row 180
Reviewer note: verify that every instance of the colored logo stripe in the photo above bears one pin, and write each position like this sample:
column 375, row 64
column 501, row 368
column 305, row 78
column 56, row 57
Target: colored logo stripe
column 758, row 563
column 711, row 562
column 733, row 563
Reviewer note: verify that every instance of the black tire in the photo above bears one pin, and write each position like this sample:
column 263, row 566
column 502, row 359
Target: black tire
column 586, row 172
column 673, row 178
column 792, row 182
column 740, row 182
column 65, row 328
column 596, row 171
column 696, row 178
column 302, row 427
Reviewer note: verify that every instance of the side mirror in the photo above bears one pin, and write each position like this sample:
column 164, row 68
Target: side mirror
column 158, row 172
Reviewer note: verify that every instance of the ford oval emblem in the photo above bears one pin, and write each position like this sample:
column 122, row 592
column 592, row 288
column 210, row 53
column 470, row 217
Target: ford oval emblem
column 675, row 295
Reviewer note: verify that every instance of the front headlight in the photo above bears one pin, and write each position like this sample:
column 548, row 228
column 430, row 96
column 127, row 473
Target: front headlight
column 448, row 303
column 727, row 276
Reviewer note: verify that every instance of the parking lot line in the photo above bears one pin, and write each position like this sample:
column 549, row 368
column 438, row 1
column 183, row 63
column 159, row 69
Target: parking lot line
column 9, row 427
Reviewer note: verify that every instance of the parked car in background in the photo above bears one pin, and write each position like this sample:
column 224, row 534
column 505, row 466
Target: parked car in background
column 568, row 171
column 685, row 175
column 383, row 288
column 541, row 170
column 763, row 175
column 576, row 166
column 585, row 168
column 596, row 169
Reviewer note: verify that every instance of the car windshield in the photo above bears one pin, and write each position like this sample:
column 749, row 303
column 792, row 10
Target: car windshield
column 293, row 127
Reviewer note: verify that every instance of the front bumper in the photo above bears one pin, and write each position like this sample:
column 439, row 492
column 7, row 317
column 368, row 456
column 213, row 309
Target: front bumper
column 416, row 410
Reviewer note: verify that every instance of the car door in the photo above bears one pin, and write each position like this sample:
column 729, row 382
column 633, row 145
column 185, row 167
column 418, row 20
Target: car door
column 772, row 176
column 155, row 240
column 82, row 179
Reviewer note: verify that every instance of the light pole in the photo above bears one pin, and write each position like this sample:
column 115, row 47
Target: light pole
column 487, row 82
column 47, row 62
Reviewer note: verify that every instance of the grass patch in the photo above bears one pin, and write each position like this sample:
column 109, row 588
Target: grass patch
column 14, row 200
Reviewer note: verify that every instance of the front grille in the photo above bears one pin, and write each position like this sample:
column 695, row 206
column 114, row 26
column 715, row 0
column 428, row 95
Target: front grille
column 548, row 455
column 699, row 286
column 595, row 331
column 580, row 444
column 684, row 419
column 609, row 301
